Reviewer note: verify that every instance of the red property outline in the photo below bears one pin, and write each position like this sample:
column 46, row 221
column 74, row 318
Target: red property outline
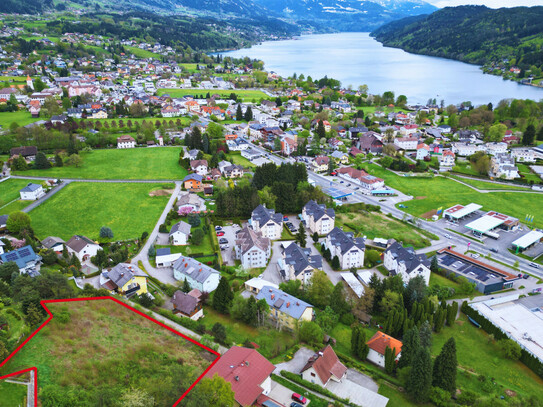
column 43, row 302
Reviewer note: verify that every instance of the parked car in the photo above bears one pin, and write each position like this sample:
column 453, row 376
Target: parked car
column 220, row 233
column 447, row 236
column 526, row 276
column 475, row 255
column 285, row 218
column 341, row 182
column 494, row 250
column 299, row 398
column 218, row 228
column 534, row 265
column 294, row 404
column 224, row 246
column 223, row 240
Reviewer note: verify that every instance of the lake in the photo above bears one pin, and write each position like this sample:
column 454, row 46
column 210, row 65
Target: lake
column 356, row 59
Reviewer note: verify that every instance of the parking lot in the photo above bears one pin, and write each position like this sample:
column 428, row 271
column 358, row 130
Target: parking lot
column 228, row 255
column 283, row 395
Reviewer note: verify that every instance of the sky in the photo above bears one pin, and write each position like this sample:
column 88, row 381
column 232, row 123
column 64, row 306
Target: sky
column 488, row 3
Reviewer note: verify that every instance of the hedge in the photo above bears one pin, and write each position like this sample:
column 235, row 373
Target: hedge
column 375, row 374
column 525, row 357
column 315, row 400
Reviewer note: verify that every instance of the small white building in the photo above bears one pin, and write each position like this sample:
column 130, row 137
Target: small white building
column 179, row 234
column 82, row 247
column 378, row 344
column 32, row 192
column 323, row 367
column 199, row 275
column 126, row 142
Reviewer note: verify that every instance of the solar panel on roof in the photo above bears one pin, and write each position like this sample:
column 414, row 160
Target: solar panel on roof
column 24, row 252
column 11, row 256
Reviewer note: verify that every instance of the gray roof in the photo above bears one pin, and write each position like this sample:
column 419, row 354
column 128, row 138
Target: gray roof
column 184, row 302
column 263, row 215
column 3, row 219
column 408, row 256
column 31, row 188
column 122, row 273
column 78, row 243
column 247, row 238
column 194, row 269
column 194, row 177
column 282, row 301
column 345, row 240
column 163, row 252
column 51, row 241
column 182, row 227
column 318, row 211
column 300, row 258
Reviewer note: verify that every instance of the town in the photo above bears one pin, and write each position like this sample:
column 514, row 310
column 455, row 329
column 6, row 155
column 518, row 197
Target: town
column 336, row 247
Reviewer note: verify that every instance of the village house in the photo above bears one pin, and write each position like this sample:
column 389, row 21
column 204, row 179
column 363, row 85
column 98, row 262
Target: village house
column 187, row 304
column 340, row 157
column 369, row 143
column 286, row 311
column 324, row 366
column 179, row 234
column 446, row 160
column 53, row 243
column 199, row 167
column 407, row 143
column 126, row 142
column 198, row 275
column 232, row 171
column 32, row 192
column 502, row 165
column 125, row 279
column 28, row 152
column 466, row 149
column 378, row 344
column 318, row 218
column 496, row 148
column 403, row 261
column 349, row 250
column 298, row 263
column 266, row 221
column 368, row 182
column 252, row 249
column 523, row 155
column 25, row 258
column 193, row 182
column 190, row 202
column 82, row 247
column 320, row 164
column 423, row 151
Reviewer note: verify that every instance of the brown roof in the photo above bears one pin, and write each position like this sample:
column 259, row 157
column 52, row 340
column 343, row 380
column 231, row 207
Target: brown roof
column 246, row 370
column 78, row 243
column 125, row 139
column 195, row 293
column 326, row 364
column 184, row 302
column 380, row 341
column 247, row 238
column 25, row 151
column 196, row 163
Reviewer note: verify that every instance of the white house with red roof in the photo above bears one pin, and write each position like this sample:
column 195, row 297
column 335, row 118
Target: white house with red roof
column 324, row 366
column 447, row 160
column 378, row 344
column 423, row 150
column 247, row 371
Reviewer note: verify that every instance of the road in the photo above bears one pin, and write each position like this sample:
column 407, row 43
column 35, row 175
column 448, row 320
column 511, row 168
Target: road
column 128, row 181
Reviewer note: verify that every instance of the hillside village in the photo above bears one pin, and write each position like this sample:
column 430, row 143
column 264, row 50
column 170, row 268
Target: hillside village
column 281, row 221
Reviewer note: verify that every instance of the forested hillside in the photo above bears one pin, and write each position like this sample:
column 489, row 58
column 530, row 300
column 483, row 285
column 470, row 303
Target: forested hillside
column 474, row 34
column 24, row 6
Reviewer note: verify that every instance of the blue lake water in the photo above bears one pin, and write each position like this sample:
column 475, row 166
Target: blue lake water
column 356, row 59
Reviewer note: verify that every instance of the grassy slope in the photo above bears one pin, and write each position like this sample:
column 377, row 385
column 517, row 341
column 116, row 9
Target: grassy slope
column 489, row 185
column 83, row 208
column 12, row 394
column 65, row 354
column 21, row 117
column 246, row 95
column 9, row 190
column 134, row 163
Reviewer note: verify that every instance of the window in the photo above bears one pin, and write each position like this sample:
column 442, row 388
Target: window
column 312, row 374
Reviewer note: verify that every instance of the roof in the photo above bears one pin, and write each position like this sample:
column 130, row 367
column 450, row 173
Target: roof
column 318, row 211
column 407, row 256
column 345, row 240
column 194, row 269
column 182, row 227
column 21, row 256
column 354, row 283
column 78, row 243
column 197, row 163
column 3, row 219
column 326, row 364
column 263, row 215
column 189, row 199
column 481, row 264
column 25, row 151
column 259, row 283
column 300, row 258
column 122, row 273
column 282, row 301
column 485, row 223
column 528, row 239
column 459, row 211
column 31, row 188
column 380, row 341
column 184, row 302
column 125, row 139
column 51, row 241
column 247, row 238
column 195, row 177
column 245, row 369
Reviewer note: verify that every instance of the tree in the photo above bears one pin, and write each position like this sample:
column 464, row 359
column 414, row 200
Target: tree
column 41, row 162
column 321, row 131
column 311, row 333
column 239, row 113
column 301, row 238
column 194, row 220
column 390, row 360
column 58, row 161
column 74, row 261
column 19, row 164
column 315, row 237
column 434, row 265
column 74, row 160
column 327, row 319
column 100, row 259
column 335, row 263
column 186, row 286
column 359, row 346
column 4, row 353
column 372, row 257
column 33, row 315
column 540, row 134
column 445, row 367
column 528, row 137
column 337, row 299
column 106, row 232
column 277, row 144
column 496, row 132
column 136, row 398
column 18, row 222
column 320, row 288
column 425, row 334
column 219, row 332
column 72, row 149
column 7, row 270
column 410, row 344
column 419, row 381
column 197, row 237
column 415, row 291
column 213, row 392
column 510, row 349
column 248, row 114
column 222, row 297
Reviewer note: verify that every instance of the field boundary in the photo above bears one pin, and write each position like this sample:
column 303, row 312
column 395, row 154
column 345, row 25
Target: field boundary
column 43, row 304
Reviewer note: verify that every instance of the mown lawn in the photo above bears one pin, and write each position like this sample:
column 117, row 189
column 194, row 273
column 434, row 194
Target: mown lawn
column 21, row 117
column 528, row 175
column 484, row 185
column 142, row 53
column 239, row 160
column 9, row 190
column 432, row 193
column 395, row 398
column 246, row 95
column 12, row 395
column 133, row 163
column 83, row 208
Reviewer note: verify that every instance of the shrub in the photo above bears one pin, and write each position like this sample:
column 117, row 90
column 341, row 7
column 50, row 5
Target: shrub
column 510, row 349
column 347, row 319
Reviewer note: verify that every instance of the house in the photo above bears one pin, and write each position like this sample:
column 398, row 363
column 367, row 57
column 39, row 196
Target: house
column 126, row 142
column 524, row 155
column 496, row 148
column 232, row 171
column 369, row 143
column 247, row 371
column 285, row 310
column 193, row 182
column 25, row 258
column 179, row 234
column 266, row 221
column 125, row 279
column 53, row 243
column 446, row 160
column 378, row 344
column 324, row 366
column 190, row 202
column 340, row 158
column 403, row 261
column 82, row 247
column 3, row 222
column 28, row 152
column 187, row 304
column 423, row 151
column 192, row 154
column 199, row 275
column 255, row 285
column 199, row 167
column 252, row 248
column 251, row 154
column 298, row 263
column 165, row 258
column 32, row 192
column 360, row 177
column 320, row 163
column 407, row 143
column 466, row 149
column 502, row 165
column 346, row 247
column 318, row 218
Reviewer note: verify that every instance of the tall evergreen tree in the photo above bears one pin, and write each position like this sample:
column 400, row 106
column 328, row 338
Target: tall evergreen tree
column 390, row 360
column 321, row 131
column 419, row 381
column 410, row 345
column 71, row 146
column 445, row 367
column 529, row 135
column 58, row 161
column 239, row 113
column 186, row 286
column 223, row 296
column 426, row 334
column 337, row 299
column 248, row 114
column 301, row 238
column 41, row 162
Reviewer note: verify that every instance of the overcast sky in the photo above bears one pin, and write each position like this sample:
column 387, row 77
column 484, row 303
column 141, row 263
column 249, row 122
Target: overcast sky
column 488, row 3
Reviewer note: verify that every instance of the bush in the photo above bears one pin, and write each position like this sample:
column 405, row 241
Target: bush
column 467, row 398
column 510, row 349
column 310, row 332
column 347, row 319
column 163, row 228
column 440, row 397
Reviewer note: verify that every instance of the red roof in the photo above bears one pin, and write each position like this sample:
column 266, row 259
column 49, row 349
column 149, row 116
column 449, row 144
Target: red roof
column 246, row 370
column 326, row 364
column 380, row 341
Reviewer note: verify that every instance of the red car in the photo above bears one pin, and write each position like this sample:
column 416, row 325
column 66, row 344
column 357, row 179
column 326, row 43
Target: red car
column 299, row 398
column 220, row 233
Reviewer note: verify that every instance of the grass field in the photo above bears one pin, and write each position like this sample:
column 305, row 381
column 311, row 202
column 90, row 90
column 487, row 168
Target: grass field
column 239, row 160
column 431, row 193
column 83, row 208
column 142, row 53
column 375, row 225
column 134, row 163
column 12, row 394
column 527, row 174
column 484, row 185
column 21, row 117
column 9, row 190
column 133, row 353
column 246, row 95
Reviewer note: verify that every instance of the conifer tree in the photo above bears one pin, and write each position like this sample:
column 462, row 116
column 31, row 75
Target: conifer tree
column 390, row 363
column 186, row 286
column 445, row 365
column 239, row 113
column 419, row 381
column 223, row 296
column 248, row 114
column 301, row 238
column 426, row 333
column 41, row 162
column 410, row 344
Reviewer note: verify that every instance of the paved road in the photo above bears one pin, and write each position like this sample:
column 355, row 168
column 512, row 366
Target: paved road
column 44, row 198
column 127, row 181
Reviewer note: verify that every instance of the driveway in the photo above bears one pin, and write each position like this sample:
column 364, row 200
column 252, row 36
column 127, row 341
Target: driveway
column 228, row 255
column 271, row 273
column 283, row 395
column 296, row 364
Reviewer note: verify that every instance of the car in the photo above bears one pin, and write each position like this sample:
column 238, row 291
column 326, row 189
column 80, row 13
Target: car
column 220, row 233
column 348, row 185
column 285, row 218
column 294, row 404
column 356, row 188
column 447, row 236
column 224, row 246
column 402, row 206
column 299, row 398
column 223, row 240
column 534, row 265
column 218, row 228
column 475, row 255
column 333, row 173
column 526, row 276
column 341, row 182
column 494, row 250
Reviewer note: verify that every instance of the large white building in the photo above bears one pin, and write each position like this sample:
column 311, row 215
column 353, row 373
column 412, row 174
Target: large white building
column 346, row 247
column 266, row 221
column 126, row 142
column 318, row 218
column 198, row 275
column 252, row 249
column 32, row 192
column 405, row 262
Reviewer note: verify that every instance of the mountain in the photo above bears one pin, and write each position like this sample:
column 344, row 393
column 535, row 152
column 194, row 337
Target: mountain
column 474, row 34
column 24, row 6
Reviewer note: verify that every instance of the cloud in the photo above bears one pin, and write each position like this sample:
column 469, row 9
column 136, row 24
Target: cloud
column 488, row 3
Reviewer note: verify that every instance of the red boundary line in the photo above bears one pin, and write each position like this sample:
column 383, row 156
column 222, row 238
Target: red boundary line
column 44, row 302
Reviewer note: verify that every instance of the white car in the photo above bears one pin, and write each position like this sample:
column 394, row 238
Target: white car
column 447, row 236
column 475, row 255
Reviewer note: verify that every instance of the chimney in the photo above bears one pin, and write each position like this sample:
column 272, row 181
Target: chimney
column 297, row 303
column 288, row 304
column 273, row 296
column 237, row 378
column 321, row 354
